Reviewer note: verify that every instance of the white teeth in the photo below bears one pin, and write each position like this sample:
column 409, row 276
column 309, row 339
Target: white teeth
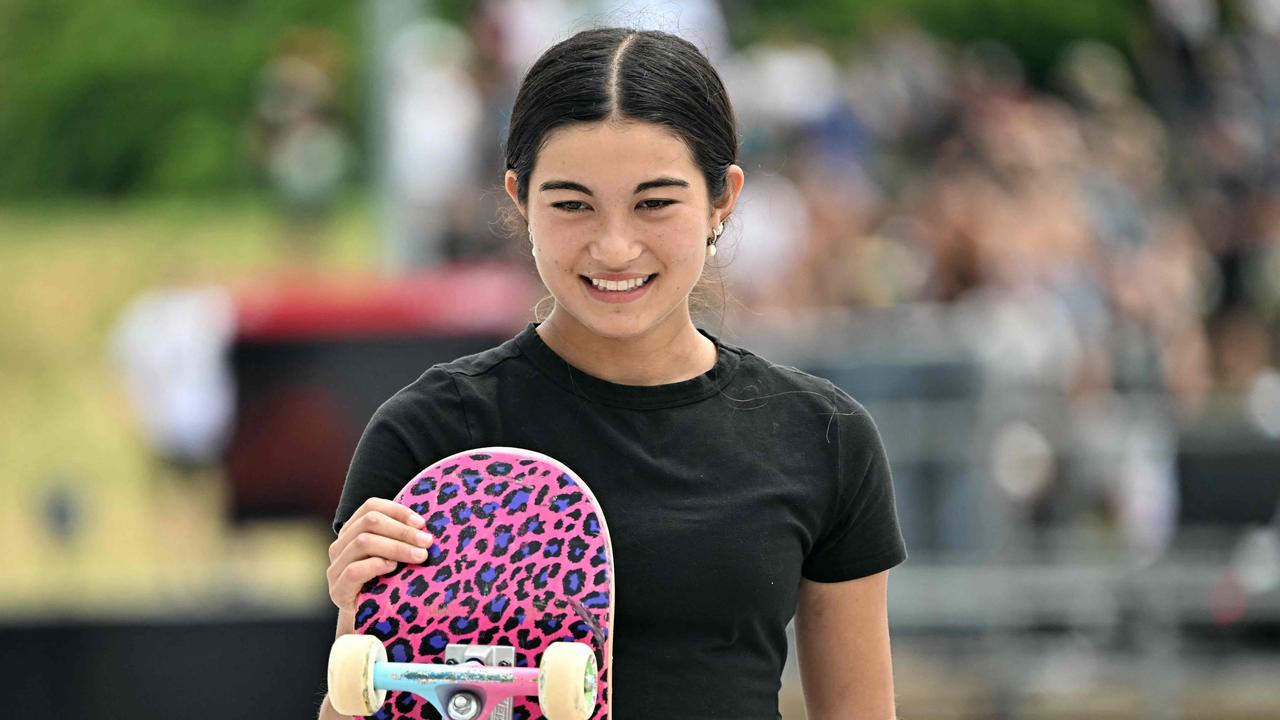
column 619, row 285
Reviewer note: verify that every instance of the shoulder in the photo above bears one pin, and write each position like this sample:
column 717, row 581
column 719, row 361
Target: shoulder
column 440, row 383
column 482, row 363
column 767, row 380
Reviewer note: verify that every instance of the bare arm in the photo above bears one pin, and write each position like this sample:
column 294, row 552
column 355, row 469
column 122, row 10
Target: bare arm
column 377, row 536
column 346, row 625
column 842, row 638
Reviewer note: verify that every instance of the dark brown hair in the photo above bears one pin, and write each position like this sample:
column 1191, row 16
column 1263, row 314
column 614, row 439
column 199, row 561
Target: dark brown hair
column 619, row 73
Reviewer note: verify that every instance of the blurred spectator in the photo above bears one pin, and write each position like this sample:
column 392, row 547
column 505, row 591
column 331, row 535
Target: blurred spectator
column 297, row 136
column 433, row 119
column 170, row 346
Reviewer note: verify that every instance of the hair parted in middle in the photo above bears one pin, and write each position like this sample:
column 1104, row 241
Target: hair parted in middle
column 625, row 74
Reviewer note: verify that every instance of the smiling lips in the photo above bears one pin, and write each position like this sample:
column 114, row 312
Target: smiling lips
column 618, row 288
column 619, row 285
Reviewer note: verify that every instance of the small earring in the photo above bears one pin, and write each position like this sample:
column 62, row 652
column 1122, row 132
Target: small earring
column 711, row 241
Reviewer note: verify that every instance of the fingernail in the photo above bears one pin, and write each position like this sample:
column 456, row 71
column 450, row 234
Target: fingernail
column 417, row 520
column 419, row 554
column 424, row 539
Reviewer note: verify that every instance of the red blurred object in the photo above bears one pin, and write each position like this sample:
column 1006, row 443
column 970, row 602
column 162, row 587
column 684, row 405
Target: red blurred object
column 314, row 358
column 469, row 299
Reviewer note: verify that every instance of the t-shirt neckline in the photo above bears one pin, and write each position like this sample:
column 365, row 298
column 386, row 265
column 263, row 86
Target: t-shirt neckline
column 637, row 397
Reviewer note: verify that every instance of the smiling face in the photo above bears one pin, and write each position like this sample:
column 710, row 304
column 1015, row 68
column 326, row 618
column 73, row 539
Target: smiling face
column 620, row 217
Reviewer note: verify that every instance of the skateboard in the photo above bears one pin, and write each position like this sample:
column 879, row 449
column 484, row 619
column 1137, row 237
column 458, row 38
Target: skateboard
column 510, row 615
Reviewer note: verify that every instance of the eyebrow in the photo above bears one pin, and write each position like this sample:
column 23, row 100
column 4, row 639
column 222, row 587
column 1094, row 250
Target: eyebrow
column 579, row 187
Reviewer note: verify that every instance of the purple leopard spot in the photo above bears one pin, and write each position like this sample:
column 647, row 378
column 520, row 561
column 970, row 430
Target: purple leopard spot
column 367, row 610
column 573, row 582
column 465, row 537
column 437, row 523
column 400, row 651
column 436, row 641
column 518, row 500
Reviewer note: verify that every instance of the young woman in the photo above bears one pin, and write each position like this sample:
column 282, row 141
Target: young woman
column 739, row 493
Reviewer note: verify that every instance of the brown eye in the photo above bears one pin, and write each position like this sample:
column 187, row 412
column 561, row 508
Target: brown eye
column 570, row 206
column 655, row 204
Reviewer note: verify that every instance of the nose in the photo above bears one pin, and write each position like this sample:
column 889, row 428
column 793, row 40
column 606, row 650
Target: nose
column 615, row 248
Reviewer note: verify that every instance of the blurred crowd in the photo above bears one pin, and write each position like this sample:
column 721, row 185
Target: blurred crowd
column 1113, row 239
column 1118, row 222
column 1108, row 228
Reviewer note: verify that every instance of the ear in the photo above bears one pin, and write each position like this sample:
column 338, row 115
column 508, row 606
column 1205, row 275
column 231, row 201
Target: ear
column 722, row 208
column 510, row 182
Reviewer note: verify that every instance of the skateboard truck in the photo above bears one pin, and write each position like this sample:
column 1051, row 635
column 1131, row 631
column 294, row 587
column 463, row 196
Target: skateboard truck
column 464, row 704
column 467, row 686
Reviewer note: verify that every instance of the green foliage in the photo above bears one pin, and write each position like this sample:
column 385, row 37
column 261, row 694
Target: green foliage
column 1036, row 30
column 111, row 97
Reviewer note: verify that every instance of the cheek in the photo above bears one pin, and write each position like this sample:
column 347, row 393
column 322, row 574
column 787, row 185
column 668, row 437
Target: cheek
column 688, row 245
column 681, row 235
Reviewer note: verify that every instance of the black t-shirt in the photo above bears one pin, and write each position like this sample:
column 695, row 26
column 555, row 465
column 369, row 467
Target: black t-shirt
column 720, row 493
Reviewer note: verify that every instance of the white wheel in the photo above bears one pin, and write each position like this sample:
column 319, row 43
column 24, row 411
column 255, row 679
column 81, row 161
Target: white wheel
column 567, row 681
column 351, row 674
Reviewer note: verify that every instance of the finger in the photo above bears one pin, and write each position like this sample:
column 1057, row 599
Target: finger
column 394, row 510
column 377, row 522
column 381, row 507
column 344, row 589
column 367, row 545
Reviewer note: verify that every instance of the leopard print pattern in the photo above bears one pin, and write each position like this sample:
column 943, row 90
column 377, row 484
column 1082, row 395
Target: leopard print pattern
column 521, row 558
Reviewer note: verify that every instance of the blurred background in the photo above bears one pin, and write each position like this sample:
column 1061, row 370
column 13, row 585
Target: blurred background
column 1040, row 240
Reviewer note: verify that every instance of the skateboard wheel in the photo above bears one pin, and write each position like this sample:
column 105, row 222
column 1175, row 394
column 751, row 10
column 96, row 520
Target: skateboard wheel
column 351, row 664
column 567, row 681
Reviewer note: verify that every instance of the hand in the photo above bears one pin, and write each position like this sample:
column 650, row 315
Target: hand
column 380, row 534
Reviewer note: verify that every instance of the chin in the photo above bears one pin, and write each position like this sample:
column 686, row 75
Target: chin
column 618, row 327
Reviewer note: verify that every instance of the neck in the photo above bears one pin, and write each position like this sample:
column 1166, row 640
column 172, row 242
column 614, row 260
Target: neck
column 659, row 357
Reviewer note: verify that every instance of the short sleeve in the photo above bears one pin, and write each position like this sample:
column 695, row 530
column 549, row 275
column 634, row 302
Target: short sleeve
column 420, row 424
column 862, row 536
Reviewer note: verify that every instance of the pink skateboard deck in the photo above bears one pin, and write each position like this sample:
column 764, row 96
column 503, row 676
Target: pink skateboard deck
column 521, row 559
